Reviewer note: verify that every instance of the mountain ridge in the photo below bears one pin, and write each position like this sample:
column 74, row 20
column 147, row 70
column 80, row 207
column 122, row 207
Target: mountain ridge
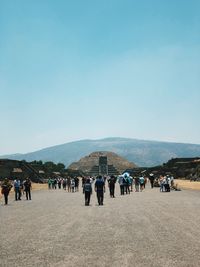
column 141, row 152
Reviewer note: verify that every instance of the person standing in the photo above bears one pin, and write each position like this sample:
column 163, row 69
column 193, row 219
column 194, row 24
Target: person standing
column 100, row 189
column 5, row 189
column 17, row 189
column 27, row 188
column 87, row 190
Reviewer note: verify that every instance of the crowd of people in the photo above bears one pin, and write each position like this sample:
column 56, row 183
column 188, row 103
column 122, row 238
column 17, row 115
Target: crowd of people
column 126, row 182
column 20, row 188
column 70, row 184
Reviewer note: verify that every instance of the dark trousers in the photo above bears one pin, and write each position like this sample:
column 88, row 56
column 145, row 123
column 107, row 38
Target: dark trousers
column 127, row 189
column 152, row 183
column 167, row 188
column 28, row 194
column 6, row 198
column 112, row 190
column 122, row 189
column 18, row 194
column 100, row 197
column 87, row 198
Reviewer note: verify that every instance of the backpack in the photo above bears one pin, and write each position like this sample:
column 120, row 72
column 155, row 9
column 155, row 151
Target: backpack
column 87, row 188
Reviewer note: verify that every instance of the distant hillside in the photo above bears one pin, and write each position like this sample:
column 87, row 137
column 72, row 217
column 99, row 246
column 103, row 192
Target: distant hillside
column 141, row 152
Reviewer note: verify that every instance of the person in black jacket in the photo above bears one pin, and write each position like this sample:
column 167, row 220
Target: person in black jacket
column 151, row 179
column 111, row 184
column 87, row 190
column 27, row 188
column 6, row 187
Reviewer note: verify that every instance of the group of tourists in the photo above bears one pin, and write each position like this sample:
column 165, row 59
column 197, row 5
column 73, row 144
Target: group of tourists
column 20, row 187
column 166, row 183
column 125, row 182
column 70, row 184
column 99, row 187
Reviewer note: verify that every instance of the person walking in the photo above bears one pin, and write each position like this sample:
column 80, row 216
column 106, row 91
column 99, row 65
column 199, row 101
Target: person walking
column 121, row 184
column 87, row 190
column 142, row 183
column 59, row 183
column 131, row 183
column 49, row 183
column 27, row 188
column 64, row 183
column 126, row 184
column 137, row 184
column 162, row 183
column 151, row 179
column 100, row 189
column 5, row 189
column 72, row 185
column 55, row 182
column 111, row 185
column 68, row 184
column 76, row 179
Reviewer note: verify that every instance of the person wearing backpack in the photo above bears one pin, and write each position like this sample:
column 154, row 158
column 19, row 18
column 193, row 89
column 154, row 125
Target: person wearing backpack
column 142, row 181
column 100, row 189
column 87, row 190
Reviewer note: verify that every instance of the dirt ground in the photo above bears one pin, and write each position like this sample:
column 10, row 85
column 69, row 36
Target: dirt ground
column 142, row 229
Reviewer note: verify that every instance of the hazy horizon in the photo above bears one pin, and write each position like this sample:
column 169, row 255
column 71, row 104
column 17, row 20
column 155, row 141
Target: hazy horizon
column 74, row 70
column 93, row 139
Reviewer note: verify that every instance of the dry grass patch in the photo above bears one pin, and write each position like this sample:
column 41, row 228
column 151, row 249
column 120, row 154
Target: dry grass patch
column 186, row 184
column 39, row 186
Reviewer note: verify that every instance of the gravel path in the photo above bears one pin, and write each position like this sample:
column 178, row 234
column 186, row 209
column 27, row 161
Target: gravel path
column 141, row 229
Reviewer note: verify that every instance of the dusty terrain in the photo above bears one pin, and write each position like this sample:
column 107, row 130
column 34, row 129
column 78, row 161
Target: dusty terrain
column 186, row 184
column 141, row 229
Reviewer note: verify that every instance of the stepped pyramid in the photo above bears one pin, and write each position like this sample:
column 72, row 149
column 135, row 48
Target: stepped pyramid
column 102, row 162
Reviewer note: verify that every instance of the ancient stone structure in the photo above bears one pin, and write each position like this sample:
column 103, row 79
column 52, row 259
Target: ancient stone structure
column 188, row 168
column 13, row 169
column 102, row 163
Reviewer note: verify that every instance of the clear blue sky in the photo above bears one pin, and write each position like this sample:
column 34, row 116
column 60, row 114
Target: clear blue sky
column 72, row 70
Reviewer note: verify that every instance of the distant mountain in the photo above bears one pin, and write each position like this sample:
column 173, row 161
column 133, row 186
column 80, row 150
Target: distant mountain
column 141, row 152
